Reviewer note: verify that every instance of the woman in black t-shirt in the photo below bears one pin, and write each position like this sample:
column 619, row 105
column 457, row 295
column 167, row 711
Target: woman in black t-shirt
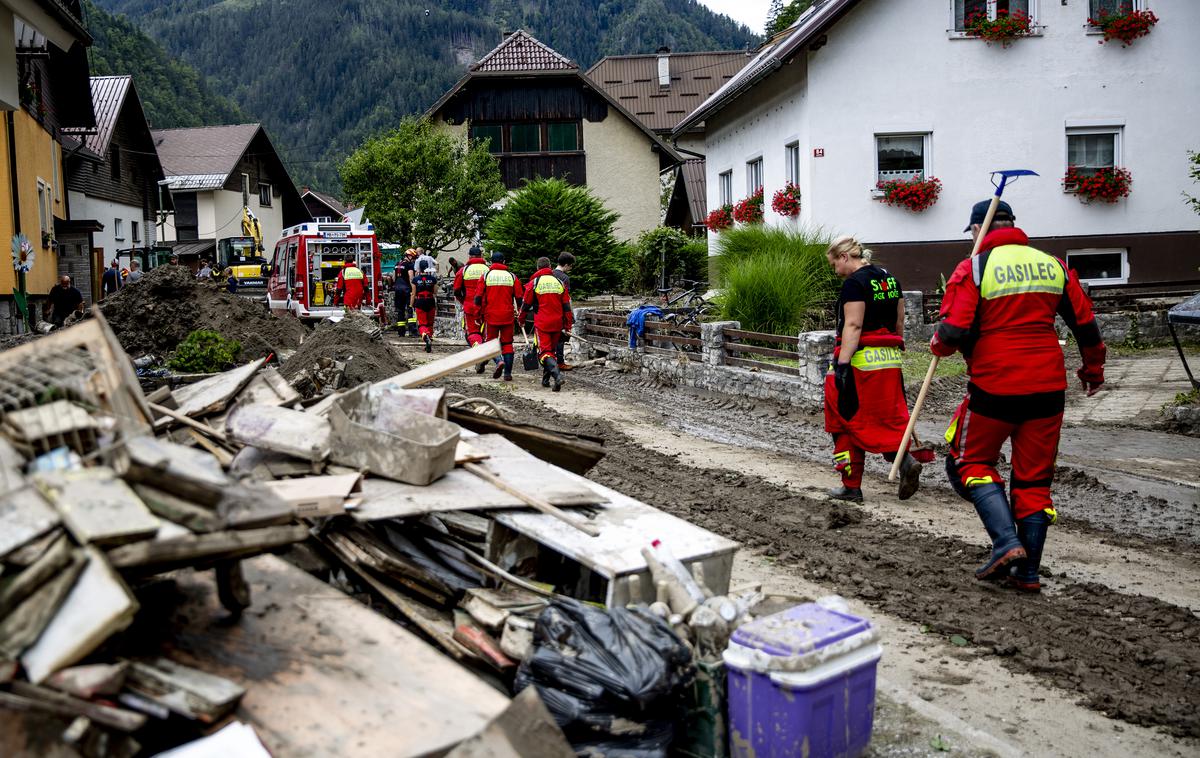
column 865, row 408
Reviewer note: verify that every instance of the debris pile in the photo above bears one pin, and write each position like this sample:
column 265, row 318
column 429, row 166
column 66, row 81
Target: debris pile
column 346, row 354
column 169, row 303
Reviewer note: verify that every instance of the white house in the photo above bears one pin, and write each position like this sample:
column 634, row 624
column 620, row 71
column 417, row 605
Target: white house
column 859, row 90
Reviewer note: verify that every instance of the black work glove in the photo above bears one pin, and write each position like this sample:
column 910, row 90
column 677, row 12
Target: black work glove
column 843, row 379
column 843, row 374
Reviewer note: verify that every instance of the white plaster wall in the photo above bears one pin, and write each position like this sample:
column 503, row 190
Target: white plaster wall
column 622, row 171
column 891, row 66
column 106, row 211
column 224, row 209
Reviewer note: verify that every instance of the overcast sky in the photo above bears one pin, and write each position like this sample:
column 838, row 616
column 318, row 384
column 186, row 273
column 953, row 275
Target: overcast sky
column 752, row 13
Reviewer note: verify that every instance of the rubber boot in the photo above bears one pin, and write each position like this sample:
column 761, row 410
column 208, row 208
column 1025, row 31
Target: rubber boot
column 993, row 509
column 1031, row 530
column 508, row 364
column 428, row 344
column 545, row 374
column 956, row 481
column 849, row 494
column 412, row 327
column 481, row 368
column 910, row 477
column 499, row 367
column 552, row 366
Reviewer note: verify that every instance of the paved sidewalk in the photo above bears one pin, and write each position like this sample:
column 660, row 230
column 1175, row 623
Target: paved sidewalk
column 1135, row 390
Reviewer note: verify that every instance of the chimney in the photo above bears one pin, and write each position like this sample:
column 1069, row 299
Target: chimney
column 664, row 66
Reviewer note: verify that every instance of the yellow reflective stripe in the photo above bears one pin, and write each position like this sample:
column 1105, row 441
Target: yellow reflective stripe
column 952, row 430
column 475, row 271
column 877, row 358
column 499, row 279
column 547, row 285
column 1053, row 514
column 975, row 480
column 841, row 456
column 1019, row 270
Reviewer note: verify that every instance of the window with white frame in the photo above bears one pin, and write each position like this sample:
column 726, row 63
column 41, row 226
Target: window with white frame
column 1090, row 149
column 792, row 162
column 118, row 230
column 1111, row 7
column 725, row 187
column 45, row 216
column 901, row 156
column 1100, row 266
column 962, row 11
column 264, row 195
column 754, row 175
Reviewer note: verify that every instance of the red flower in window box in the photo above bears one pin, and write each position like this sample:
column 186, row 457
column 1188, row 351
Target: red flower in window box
column 721, row 218
column 1106, row 184
column 786, row 202
column 1125, row 25
column 1004, row 28
column 916, row 194
column 749, row 210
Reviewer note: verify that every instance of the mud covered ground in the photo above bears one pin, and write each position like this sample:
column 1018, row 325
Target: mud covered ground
column 366, row 356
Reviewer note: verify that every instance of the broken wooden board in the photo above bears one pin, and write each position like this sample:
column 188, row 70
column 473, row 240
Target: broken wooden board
column 96, row 506
column 15, row 589
column 314, row 496
column 22, row 627
column 211, row 395
column 30, row 552
column 192, row 474
column 491, row 607
column 250, row 505
column 54, row 425
column 89, row 681
column 155, row 556
column 281, row 430
column 115, row 718
column 317, row 657
column 98, row 606
column 525, row 729
column 24, row 516
column 435, row 370
column 189, row 692
column 198, row 518
column 573, row 452
column 268, row 387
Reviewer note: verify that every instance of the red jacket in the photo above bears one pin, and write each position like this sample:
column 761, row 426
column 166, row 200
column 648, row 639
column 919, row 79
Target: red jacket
column 999, row 309
column 499, row 294
column 549, row 301
column 467, row 282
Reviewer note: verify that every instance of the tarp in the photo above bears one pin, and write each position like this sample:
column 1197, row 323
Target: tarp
column 1187, row 312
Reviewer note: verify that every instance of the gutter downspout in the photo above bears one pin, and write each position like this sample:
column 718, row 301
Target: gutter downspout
column 12, row 172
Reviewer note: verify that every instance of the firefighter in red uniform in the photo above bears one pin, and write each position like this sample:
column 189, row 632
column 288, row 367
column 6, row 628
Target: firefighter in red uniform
column 467, row 282
column 999, row 310
column 498, row 298
column 865, row 409
column 550, row 303
column 424, row 300
column 350, row 283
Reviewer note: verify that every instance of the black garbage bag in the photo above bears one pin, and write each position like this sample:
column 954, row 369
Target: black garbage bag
column 614, row 680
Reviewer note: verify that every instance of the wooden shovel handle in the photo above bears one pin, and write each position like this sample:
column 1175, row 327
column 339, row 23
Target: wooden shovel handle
column 533, row 502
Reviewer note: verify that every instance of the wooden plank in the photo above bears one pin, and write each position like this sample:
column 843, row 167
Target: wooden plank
column 663, row 327
column 174, row 415
column 735, row 348
column 314, row 496
column 22, row 626
column 182, row 551
column 450, row 364
column 177, row 510
column 13, row 591
column 528, row 498
column 96, row 506
column 662, row 338
column 762, row 366
column 99, row 606
column 573, row 452
column 610, row 331
column 116, row 718
column 89, row 681
column 184, row 471
column 213, row 394
column 191, row 693
column 281, row 430
column 24, row 516
column 268, row 387
column 30, row 552
column 223, row 456
column 777, row 339
column 361, row 548
column 526, row 728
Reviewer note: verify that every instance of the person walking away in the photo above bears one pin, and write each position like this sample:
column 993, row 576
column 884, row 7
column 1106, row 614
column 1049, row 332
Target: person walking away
column 410, row 271
column 205, row 271
column 231, row 282
column 110, row 281
column 64, row 300
column 865, row 407
column 402, row 290
column 498, row 298
column 566, row 261
column 550, row 303
column 350, row 285
column 998, row 310
column 466, row 288
column 424, row 300
column 135, row 271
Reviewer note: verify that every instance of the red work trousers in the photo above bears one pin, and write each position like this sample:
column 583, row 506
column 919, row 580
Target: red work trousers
column 547, row 343
column 473, row 327
column 848, row 460
column 975, row 441
column 425, row 318
column 505, row 333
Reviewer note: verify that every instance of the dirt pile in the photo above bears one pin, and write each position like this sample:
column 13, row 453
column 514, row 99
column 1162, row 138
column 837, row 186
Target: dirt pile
column 355, row 341
column 169, row 303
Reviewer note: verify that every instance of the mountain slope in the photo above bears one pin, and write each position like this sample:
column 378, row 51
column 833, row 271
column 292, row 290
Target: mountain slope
column 324, row 74
column 173, row 94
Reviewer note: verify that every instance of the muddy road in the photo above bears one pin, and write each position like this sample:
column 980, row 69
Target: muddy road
column 1116, row 632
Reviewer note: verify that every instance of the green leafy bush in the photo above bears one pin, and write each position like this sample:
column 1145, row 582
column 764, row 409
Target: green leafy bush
column 205, row 352
column 683, row 257
column 548, row 216
column 775, row 280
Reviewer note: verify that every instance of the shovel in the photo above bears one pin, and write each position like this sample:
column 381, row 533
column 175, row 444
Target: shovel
column 933, row 364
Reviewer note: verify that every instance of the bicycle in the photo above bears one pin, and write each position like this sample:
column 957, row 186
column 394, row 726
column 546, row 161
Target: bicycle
column 694, row 296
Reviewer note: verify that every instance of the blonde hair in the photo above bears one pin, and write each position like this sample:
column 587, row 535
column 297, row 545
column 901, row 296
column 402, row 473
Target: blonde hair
column 850, row 247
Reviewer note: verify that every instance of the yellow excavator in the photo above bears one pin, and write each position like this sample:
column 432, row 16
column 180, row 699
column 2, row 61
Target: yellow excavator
column 245, row 255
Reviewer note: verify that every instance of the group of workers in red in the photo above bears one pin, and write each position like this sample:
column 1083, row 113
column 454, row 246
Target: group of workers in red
column 999, row 311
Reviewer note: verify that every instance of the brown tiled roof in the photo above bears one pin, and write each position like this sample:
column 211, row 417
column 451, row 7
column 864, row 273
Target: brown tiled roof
column 211, row 151
column 108, row 95
column 328, row 200
column 521, row 52
column 692, row 174
column 633, row 81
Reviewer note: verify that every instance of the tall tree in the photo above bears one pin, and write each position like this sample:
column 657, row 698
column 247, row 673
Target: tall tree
column 421, row 185
column 787, row 14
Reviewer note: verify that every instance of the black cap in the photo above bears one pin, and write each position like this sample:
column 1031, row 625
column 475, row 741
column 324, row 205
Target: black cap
column 1004, row 212
column 475, row 251
column 497, row 257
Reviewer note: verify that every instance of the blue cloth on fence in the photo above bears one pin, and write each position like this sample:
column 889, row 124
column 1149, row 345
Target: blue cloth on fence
column 637, row 322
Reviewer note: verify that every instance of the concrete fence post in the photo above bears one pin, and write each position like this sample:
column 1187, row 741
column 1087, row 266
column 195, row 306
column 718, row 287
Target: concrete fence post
column 576, row 347
column 816, row 351
column 712, row 341
column 914, row 317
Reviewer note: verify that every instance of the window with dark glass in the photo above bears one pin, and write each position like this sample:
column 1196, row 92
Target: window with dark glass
column 493, row 134
column 562, row 137
column 525, row 138
column 900, row 156
column 115, row 162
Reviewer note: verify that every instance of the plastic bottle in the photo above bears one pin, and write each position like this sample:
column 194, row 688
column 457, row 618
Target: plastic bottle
column 677, row 569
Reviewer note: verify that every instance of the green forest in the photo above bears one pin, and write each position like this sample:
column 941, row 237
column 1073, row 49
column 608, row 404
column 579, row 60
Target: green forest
column 322, row 75
column 173, row 94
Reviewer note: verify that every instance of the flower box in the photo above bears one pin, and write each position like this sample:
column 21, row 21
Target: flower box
column 916, row 194
column 1125, row 25
column 721, row 218
column 1106, row 184
column 786, row 202
column 749, row 210
column 1004, row 28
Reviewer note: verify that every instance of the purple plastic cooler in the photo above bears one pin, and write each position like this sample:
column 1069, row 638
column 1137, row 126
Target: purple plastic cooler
column 802, row 683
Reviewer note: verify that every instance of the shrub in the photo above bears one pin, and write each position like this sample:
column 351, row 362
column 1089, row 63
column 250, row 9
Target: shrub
column 774, row 278
column 665, row 247
column 205, row 352
column 546, row 217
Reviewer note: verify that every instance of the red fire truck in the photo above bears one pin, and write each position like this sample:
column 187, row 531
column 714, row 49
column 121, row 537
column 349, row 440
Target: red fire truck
column 304, row 268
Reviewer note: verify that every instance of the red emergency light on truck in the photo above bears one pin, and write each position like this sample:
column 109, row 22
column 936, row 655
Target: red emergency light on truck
column 305, row 266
